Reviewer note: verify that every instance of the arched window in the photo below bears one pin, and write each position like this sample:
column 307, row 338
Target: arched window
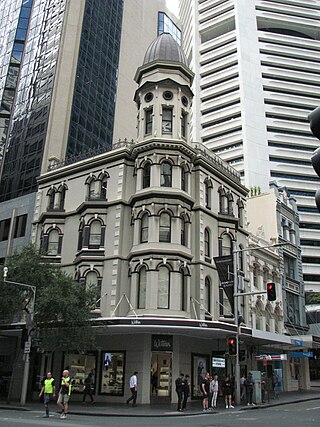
column 226, row 245
column 207, row 248
column 240, row 212
column 95, row 234
column 240, row 258
column 163, row 287
column 165, row 227
column 144, row 231
column 53, row 243
column 166, row 120
column 104, row 188
column 62, row 197
column 93, row 192
column 148, row 121
column 207, row 298
column 184, row 231
column 184, row 124
column 166, row 174
column 223, row 201
column 230, row 204
column 184, row 290
column 184, row 178
column 142, row 287
column 51, row 199
column 92, row 281
column 146, row 175
column 207, row 194
column 256, row 276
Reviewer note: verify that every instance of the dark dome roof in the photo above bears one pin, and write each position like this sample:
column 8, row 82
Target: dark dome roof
column 165, row 48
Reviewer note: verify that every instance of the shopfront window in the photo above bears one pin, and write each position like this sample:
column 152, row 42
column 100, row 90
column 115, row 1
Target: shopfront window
column 80, row 366
column 112, row 378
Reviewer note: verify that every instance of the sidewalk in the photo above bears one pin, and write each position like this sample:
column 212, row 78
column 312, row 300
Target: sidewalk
column 168, row 410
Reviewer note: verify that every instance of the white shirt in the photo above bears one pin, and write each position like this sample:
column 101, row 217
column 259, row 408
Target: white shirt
column 133, row 381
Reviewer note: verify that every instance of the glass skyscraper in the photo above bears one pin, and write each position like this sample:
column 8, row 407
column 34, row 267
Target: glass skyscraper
column 31, row 58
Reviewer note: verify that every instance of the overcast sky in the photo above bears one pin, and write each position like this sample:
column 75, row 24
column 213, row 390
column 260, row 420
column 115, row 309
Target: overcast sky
column 173, row 5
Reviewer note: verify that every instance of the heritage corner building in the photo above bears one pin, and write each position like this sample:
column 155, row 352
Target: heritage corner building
column 143, row 223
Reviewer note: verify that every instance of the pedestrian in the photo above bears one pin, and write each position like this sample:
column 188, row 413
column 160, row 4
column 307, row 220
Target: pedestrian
column 249, row 389
column 88, row 388
column 227, row 391
column 205, row 390
column 242, row 387
column 133, row 384
column 48, row 391
column 154, row 382
column 64, row 394
column 179, row 389
column 275, row 382
column 186, row 391
column 215, row 391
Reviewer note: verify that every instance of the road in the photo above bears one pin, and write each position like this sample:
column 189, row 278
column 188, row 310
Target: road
column 300, row 414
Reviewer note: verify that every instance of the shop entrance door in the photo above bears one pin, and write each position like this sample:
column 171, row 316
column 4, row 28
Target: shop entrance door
column 161, row 376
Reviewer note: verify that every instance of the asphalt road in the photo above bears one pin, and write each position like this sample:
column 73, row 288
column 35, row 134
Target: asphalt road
column 303, row 414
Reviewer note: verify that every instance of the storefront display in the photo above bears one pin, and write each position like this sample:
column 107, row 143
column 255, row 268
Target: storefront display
column 80, row 366
column 112, row 377
column 200, row 365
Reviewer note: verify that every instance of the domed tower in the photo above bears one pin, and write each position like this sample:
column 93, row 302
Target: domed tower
column 164, row 96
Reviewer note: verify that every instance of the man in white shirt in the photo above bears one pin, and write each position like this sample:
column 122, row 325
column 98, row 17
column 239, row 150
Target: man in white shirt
column 133, row 388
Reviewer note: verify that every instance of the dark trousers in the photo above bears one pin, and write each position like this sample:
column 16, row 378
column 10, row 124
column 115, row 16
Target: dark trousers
column 46, row 400
column 249, row 394
column 88, row 391
column 133, row 396
column 185, row 398
column 180, row 396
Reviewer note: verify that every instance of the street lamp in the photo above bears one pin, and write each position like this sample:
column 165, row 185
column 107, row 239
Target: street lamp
column 235, row 252
column 28, row 343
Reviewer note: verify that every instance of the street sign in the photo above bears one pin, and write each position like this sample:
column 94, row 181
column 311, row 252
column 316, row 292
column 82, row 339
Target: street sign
column 297, row 343
column 27, row 347
column 272, row 357
column 301, row 354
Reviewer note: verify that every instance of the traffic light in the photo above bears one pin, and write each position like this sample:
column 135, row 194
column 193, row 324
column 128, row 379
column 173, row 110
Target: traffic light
column 232, row 346
column 271, row 291
column 314, row 119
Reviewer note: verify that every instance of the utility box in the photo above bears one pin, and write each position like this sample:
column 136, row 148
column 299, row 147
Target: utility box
column 256, row 376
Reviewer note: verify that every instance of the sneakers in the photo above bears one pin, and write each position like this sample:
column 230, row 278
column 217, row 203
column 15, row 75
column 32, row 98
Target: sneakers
column 231, row 406
column 227, row 407
column 248, row 404
column 253, row 404
column 63, row 416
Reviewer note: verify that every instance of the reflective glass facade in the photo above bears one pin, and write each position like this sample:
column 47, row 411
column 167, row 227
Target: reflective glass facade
column 33, row 95
column 93, row 107
column 35, row 42
column 166, row 25
column 13, row 23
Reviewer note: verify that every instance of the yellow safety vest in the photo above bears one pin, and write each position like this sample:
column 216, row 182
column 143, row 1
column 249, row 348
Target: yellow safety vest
column 48, row 385
column 67, row 380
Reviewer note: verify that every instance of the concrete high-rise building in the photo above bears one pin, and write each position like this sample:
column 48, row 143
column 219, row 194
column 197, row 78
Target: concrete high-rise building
column 64, row 89
column 257, row 77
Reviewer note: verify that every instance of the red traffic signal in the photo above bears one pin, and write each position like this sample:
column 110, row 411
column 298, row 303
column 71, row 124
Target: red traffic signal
column 232, row 346
column 271, row 291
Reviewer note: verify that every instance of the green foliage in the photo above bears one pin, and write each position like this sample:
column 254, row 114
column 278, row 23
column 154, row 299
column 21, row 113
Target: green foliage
column 62, row 306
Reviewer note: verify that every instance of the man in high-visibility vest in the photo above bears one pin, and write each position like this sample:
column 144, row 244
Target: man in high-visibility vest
column 48, row 391
column 64, row 393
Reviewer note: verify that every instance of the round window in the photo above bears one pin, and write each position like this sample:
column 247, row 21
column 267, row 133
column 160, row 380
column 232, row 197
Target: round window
column 167, row 95
column 184, row 100
column 148, row 97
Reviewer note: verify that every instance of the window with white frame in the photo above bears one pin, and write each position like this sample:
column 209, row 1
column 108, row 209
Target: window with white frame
column 142, row 287
column 163, row 287
column 165, row 227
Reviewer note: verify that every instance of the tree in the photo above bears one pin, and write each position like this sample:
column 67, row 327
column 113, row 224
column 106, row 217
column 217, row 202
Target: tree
column 62, row 305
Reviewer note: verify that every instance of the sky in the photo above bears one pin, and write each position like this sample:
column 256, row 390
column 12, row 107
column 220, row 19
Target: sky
column 173, row 6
